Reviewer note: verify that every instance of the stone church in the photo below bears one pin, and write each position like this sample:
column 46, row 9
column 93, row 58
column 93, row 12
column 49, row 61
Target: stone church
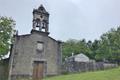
column 35, row 55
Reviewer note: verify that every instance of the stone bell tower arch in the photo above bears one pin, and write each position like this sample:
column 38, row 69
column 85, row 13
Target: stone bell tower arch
column 40, row 19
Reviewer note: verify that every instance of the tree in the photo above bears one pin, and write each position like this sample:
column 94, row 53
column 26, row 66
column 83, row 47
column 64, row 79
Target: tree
column 109, row 48
column 6, row 34
column 69, row 47
column 76, row 47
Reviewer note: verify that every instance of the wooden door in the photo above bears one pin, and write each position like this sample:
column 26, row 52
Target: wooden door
column 38, row 71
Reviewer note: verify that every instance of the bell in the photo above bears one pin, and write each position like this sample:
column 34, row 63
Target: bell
column 37, row 25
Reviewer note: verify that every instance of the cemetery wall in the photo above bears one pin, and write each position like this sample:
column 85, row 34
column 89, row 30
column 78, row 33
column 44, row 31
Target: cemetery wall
column 86, row 66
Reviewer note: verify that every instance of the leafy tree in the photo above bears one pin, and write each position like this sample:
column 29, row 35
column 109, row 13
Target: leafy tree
column 105, row 49
column 6, row 33
column 114, row 41
column 109, row 48
column 68, row 47
column 93, row 46
column 76, row 47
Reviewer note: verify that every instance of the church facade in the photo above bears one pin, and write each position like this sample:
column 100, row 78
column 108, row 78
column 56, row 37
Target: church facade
column 35, row 55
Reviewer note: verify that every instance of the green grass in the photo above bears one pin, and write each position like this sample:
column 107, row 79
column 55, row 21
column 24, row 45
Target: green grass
column 113, row 74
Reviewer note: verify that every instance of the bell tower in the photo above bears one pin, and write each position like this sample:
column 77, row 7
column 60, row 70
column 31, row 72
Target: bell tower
column 40, row 19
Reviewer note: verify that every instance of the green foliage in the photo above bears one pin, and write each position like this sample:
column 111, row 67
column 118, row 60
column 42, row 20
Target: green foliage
column 6, row 32
column 112, row 74
column 75, row 46
column 110, row 45
column 107, row 48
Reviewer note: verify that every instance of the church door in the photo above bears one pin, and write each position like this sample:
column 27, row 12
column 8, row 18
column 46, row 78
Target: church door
column 38, row 70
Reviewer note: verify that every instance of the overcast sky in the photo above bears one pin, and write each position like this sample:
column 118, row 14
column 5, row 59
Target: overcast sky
column 76, row 19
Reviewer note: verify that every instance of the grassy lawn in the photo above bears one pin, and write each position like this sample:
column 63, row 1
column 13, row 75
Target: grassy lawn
column 113, row 74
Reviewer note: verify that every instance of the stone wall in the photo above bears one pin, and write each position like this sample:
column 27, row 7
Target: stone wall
column 4, row 70
column 86, row 66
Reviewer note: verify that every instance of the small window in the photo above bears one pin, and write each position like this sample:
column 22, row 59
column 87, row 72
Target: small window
column 40, row 46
